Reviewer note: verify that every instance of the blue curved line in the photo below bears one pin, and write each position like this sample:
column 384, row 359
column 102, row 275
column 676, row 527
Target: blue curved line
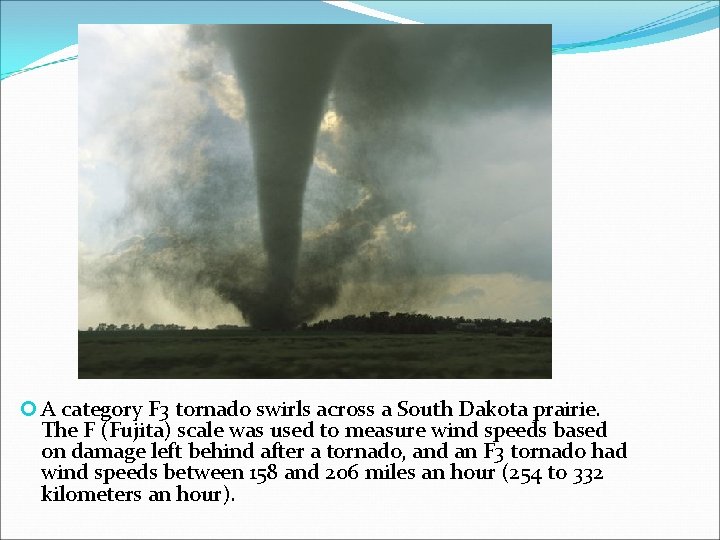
column 711, row 15
column 33, row 29
column 22, row 23
column 570, row 17
column 19, row 71
column 694, row 9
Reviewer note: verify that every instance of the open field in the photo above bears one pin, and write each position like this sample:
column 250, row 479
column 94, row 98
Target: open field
column 247, row 354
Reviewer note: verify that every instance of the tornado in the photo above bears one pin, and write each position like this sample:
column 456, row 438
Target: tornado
column 285, row 73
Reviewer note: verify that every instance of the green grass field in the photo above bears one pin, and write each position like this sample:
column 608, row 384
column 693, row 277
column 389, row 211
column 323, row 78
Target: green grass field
column 247, row 354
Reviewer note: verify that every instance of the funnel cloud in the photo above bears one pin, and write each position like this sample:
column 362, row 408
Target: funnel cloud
column 285, row 73
column 274, row 175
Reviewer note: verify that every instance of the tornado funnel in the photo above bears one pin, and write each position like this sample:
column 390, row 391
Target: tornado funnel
column 285, row 73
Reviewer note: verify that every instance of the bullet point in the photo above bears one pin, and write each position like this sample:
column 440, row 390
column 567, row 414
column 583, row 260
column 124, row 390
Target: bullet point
column 28, row 408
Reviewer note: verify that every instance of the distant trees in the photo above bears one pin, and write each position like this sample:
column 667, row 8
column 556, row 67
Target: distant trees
column 127, row 327
column 167, row 327
column 157, row 327
column 381, row 321
column 384, row 322
column 414, row 323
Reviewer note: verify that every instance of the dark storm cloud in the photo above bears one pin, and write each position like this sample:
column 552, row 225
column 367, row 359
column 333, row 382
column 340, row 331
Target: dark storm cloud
column 417, row 101
column 390, row 83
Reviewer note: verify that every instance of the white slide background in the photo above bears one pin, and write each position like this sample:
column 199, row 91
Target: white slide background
column 635, row 312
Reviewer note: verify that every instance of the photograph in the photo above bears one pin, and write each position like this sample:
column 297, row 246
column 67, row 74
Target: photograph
column 315, row 201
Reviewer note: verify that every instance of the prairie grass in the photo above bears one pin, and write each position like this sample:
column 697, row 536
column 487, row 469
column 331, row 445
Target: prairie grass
column 247, row 354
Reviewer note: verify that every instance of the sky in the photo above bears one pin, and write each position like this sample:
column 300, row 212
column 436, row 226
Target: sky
column 430, row 188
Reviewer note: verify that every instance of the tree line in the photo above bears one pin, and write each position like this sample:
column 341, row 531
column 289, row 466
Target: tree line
column 383, row 322
column 417, row 323
column 126, row 327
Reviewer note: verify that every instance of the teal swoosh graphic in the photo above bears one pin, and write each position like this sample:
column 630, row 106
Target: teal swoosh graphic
column 24, row 70
column 616, row 24
column 34, row 29
column 699, row 18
